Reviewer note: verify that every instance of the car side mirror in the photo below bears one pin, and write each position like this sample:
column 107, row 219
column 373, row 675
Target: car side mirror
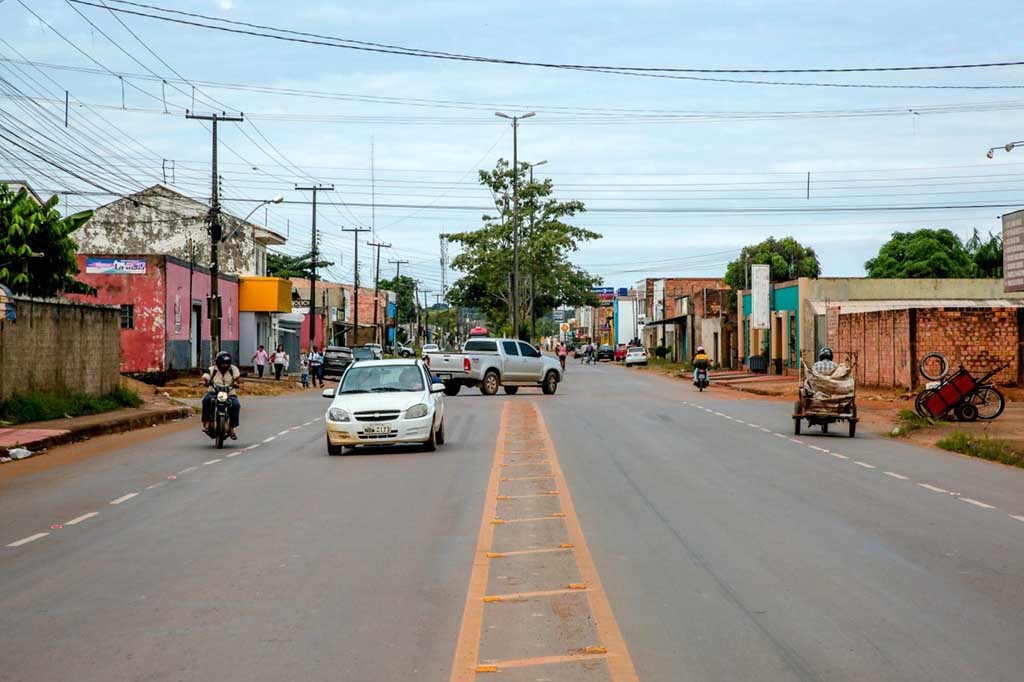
column 437, row 388
column 328, row 393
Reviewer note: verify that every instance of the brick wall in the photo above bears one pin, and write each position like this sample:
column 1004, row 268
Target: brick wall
column 890, row 343
column 60, row 346
column 980, row 339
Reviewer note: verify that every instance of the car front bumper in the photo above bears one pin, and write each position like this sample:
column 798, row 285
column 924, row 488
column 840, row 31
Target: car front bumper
column 401, row 431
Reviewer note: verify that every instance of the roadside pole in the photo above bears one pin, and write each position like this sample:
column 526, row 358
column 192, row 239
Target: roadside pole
column 313, row 262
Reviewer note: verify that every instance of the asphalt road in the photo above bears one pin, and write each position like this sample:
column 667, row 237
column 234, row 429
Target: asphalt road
column 725, row 550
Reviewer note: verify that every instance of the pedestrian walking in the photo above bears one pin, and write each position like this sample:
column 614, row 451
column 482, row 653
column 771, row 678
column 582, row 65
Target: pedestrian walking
column 259, row 360
column 280, row 360
column 304, row 363
column 563, row 351
column 316, row 367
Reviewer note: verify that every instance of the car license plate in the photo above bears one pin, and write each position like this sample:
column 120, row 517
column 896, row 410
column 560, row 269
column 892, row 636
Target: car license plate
column 377, row 428
column 444, row 376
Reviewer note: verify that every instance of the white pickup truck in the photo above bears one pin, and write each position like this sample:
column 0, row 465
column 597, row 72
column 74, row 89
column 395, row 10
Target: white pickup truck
column 495, row 363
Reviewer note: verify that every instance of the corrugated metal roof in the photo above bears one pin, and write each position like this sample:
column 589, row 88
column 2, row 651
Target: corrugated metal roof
column 820, row 307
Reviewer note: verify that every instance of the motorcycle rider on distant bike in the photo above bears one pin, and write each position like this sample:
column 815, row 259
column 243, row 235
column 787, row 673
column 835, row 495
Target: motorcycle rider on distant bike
column 222, row 373
column 701, row 361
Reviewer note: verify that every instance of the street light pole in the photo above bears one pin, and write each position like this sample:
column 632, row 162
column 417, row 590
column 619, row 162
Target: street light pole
column 515, row 215
column 533, row 213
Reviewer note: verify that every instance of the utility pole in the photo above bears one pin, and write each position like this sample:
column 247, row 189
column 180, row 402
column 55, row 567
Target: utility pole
column 376, row 288
column 398, row 293
column 533, row 280
column 426, row 315
column 216, row 234
column 515, row 216
column 313, row 260
column 355, row 279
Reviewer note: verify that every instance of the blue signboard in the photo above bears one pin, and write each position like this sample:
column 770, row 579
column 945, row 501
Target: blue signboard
column 115, row 266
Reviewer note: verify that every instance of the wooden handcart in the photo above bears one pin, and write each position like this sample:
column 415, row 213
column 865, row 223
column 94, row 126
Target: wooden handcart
column 822, row 409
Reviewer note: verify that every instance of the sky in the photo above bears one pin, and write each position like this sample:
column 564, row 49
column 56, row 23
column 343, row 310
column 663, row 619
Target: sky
column 677, row 175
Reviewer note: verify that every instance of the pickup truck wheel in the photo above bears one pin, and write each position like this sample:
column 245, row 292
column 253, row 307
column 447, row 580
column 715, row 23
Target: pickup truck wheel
column 550, row 384
column 511, row 390
column 451, row 388
column 490, row 383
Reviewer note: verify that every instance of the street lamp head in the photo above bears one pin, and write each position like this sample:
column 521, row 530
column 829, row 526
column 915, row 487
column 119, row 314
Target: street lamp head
column 501, row 115
column 990, row 153
column 1009, row 146
column 539, row 163
column 528, row 115
column 277, row 200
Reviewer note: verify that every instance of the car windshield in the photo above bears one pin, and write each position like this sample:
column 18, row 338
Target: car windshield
column 363, row 354
column 381, row 379
column 332, row 353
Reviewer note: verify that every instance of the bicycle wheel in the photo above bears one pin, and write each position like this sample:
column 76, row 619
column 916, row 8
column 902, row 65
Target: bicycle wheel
column 943, row 366
column 919, row 403
column 989, row 401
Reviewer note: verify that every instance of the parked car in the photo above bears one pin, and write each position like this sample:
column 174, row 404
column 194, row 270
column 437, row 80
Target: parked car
column 577, row 351
column 385, row 402
column 491, row 364
column 336, row 360
column 636, row 355
column 620, row 352
column 431, row 348
column 605, row 352
column 377, row 349
column 363, row 353
column 404, row 351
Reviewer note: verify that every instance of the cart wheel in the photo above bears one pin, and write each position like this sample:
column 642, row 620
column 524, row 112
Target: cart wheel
column 943, row 366
column 853, row 428
column 966, row 412
column 796, row 425
column 824, row 427
column 919, row 402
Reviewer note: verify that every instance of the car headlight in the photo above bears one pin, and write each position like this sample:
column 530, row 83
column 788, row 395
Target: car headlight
column 336, row 414
column 416, row 411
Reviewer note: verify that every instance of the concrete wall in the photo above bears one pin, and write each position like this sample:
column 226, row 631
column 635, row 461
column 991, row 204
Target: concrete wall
column 60, row 346
column 890, row 343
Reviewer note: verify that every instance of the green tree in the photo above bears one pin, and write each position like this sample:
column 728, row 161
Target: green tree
column 37, row 251
column 987, row 254
column 405, row 297
column 922, row 253
column 546, row 242
column 787, row 257
column 285, row 266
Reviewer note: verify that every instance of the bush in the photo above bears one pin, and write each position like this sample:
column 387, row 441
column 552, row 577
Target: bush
column 984, row 447
column 34, row 407
column 661, row 352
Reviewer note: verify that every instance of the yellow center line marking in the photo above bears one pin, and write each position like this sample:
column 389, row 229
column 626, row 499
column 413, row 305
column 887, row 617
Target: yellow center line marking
column 522, row 552
column 526, row 497
column 466, row 664
column 530, row 478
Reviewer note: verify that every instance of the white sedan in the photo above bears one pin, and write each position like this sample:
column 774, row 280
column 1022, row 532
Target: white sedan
column 385, row 402
column 431, row 348
column 636, row 355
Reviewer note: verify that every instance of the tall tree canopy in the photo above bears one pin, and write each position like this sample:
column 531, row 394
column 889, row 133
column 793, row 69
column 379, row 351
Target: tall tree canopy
column 987, row 254
column 787, row 257
column 545, row 245
column 405, row 301
column 283, row 265
column 37, row 251
column 922, row 253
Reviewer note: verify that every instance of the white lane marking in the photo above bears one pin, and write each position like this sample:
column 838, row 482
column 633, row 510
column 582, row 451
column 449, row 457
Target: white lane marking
column 1019, row 518
column 156, row 485
column 211, row 461
column 25, row 541
column 933, row 488
column 768, row 430
column 283, row 433
column 721, row 415
column 187, row 471
column 234, row 454
column 864, row 464
column 318, row 419
column 838, row 456
column 253, row 447
column 267, row 440
column 794, row 440
column 738, row 421
column 307, row 423
column 815, row 447
column 753, row 425
column 976, row 503
column 895, row 475
column 78, row 519
column 124, row 498
column 295, row 428
column 781, row 435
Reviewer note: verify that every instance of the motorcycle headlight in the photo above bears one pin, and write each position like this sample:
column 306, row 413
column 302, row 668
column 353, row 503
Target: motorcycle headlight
column 416, row 411
column 336, row 414
column 222, row 397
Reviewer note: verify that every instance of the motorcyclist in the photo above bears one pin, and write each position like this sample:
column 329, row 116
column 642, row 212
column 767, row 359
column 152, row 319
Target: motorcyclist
column 222, row 373
column 701, row 361
column 825, row 364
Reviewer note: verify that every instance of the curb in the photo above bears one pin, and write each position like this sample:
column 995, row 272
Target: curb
column 120, row 425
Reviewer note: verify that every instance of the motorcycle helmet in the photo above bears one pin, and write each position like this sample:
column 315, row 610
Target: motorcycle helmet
column 825, row 353
column 223, row 361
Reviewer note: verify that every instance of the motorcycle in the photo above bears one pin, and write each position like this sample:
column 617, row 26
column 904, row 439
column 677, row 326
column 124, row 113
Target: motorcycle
column 221, row 419
column 701, row 381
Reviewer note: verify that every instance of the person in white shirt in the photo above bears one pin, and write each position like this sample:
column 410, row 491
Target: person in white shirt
column 280, row 360
column 259, row 360
column 316, row 367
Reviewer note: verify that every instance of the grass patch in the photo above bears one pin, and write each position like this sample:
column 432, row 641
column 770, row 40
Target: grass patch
column 34, row 407
column 910, row 421
column 991, row 449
